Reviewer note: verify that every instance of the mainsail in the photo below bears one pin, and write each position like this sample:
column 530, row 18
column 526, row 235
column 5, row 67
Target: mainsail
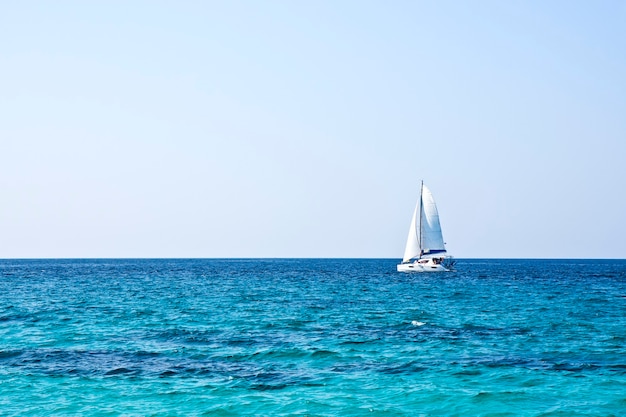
column 432, row 238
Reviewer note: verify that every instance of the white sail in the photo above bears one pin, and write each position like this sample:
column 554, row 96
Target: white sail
column 412, row 249
column 431, row 236
column 425, row 235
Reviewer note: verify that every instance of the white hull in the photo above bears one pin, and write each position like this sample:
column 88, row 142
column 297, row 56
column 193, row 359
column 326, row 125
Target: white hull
column 423, row 265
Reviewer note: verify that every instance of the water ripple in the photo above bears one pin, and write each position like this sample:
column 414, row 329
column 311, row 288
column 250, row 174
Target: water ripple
column 319, row 337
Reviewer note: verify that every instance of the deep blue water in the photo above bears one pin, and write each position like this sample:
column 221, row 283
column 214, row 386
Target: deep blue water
column 326, row 337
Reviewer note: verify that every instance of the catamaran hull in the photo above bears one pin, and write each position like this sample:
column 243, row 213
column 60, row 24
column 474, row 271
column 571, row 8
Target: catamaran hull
column 415, row 267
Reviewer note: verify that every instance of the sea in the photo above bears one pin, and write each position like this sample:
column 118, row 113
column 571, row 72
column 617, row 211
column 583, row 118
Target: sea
column 311, row 337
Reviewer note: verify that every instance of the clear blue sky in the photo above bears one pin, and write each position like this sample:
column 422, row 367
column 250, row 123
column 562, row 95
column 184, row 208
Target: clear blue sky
column 303, row 128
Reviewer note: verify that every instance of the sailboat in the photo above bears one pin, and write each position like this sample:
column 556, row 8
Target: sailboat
column 425, row 249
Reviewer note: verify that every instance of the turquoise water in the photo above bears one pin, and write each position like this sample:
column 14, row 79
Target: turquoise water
column 312, row 337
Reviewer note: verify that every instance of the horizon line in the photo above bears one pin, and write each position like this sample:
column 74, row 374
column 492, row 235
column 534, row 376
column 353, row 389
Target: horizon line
column 289, row 258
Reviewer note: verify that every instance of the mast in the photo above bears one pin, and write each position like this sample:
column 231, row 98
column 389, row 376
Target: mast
column 419, row 235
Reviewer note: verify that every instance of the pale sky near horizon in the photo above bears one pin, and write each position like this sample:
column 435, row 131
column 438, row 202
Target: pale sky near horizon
column 303, row 128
